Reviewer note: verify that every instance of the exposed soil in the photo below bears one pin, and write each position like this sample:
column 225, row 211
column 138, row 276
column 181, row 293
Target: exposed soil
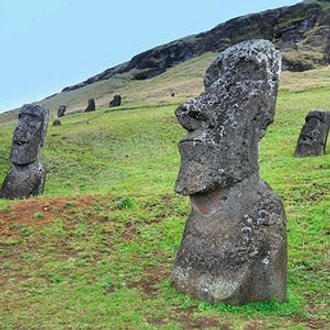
column 38, row 212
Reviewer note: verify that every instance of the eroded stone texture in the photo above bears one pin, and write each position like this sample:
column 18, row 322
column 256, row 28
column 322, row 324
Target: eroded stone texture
column 90, row 105
column 234, row 246
column 27, row 176
column 24, row 181
column 313, row 137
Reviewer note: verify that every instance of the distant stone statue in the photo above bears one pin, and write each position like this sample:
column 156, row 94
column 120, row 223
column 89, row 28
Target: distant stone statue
column 234, row 247
column 27, row 176
column 313, row 137
column 90, row 105
column 61, row 110
column 115, row 102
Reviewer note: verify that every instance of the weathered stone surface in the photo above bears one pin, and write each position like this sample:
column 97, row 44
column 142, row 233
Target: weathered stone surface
column 90, row 105
column 23, row 181
column 313, row 137
column 115, row 102
column 234, row 246
column 29, row 134
column 61, row 110
column 227, row 121
column 27, row 176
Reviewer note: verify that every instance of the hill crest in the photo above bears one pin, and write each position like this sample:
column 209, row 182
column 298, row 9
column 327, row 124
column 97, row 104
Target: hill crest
column 300, row 32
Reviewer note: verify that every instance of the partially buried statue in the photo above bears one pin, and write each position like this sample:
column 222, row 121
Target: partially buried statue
column 313, row 137
column 26, row 177
column 234, row 247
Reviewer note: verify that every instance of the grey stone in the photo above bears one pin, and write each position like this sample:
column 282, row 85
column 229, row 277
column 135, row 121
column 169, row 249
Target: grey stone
column 226, row 122
column 27, row 176
column 313, row 137
column 234, row 247
column 24, row 181
column 115, row 102
column 29, row 134
column 90, row 105
column 61, row 110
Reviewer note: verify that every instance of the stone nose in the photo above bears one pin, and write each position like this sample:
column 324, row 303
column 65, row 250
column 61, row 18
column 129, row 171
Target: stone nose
column 190, row 116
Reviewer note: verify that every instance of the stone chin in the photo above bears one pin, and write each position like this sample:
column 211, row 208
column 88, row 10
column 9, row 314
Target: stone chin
column 203, row 168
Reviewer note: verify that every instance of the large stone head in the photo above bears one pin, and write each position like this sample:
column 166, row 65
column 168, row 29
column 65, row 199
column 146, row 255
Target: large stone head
column 226, row 122
column 29, row 134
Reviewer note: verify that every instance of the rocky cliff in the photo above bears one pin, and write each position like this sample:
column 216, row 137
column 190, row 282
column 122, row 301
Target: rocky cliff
column 301, row 32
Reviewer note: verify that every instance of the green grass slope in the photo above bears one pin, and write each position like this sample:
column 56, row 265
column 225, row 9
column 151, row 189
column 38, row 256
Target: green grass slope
column 185, row 79
column 96, row 250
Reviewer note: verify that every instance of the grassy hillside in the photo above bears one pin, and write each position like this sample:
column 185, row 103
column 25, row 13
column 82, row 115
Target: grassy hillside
column 96, row 250
column 185, row 79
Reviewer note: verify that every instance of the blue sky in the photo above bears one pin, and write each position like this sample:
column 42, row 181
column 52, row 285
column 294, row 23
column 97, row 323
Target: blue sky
column 49, row 44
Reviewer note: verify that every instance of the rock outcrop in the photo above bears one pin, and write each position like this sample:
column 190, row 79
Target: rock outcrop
column 313, row 137
column 27, row 176
column 234, row 246
column 301, row 32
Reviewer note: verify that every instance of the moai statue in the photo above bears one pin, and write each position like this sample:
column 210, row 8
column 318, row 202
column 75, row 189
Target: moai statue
column 115, row 102
column 313, row 137
column 234, row 247
column 90, row 105
column 61, row 110
column 27, row 176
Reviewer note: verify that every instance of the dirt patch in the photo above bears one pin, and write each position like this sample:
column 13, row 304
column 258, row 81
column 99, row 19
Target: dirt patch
column 38, row 212
column 311, row 324
column 189, row 322
column 153, row 277
column 149, row 286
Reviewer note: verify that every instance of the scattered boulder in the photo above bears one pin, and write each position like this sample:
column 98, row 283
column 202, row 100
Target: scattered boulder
column 57, row 122
column 115, row 102
column 27, row 176
column 61, row 110
column 313, row 137
column 234, row 247
column 90, row 105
